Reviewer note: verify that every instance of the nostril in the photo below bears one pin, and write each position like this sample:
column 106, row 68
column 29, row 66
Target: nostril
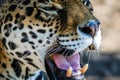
column 88, row 30
column 91, row 27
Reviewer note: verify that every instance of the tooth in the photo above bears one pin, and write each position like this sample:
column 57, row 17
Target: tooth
column 69, row 72
column 84, row 69
column 91, row 47
column 51, row 56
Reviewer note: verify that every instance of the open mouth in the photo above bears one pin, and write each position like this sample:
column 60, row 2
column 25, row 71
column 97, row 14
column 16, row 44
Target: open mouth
column 61, row 67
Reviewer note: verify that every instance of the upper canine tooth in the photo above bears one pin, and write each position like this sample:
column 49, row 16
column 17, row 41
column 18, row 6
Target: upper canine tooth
column 69, row 72
column 51, row 56
column 91, row 47
column 84, row 69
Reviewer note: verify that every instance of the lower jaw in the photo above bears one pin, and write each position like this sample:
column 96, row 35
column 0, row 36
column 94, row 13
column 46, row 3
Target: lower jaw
column 56, row 73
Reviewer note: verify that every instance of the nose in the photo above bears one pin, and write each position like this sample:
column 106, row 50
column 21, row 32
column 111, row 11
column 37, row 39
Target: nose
column 91, row 27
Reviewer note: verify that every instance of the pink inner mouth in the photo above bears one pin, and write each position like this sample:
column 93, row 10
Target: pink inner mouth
column 65, row 62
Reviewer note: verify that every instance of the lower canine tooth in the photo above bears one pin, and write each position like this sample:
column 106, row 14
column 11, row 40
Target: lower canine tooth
column 84, row 69
column 69, row 72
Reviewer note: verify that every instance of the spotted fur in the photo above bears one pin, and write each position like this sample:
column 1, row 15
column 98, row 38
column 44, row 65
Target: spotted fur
column 28, row 28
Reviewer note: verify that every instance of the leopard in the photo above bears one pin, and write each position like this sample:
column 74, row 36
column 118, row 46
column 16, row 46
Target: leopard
column 37, row 34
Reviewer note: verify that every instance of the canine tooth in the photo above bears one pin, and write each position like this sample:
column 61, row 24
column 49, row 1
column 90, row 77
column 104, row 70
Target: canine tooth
column 69, row 72
column 51, row 56
column 84, row 69
column 91, row 47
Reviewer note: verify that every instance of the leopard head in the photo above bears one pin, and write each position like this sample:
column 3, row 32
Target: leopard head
column 78, row 29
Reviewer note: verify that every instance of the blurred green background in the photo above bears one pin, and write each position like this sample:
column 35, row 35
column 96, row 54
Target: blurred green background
column 107, row 65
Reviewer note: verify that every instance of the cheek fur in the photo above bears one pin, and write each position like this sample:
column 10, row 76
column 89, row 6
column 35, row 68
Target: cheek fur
column 97, row 39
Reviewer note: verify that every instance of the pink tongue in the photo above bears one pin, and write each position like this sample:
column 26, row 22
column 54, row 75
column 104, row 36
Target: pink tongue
column 64, row 62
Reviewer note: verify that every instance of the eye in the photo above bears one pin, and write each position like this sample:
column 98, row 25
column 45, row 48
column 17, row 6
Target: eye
column 88, row 4
column 51, row 8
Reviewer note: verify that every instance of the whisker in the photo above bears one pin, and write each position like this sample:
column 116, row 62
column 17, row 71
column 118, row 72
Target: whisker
column 67, row 52
column 87, row 52
column 54, row 50
column 89, row 55
column 98, row 53
column 90, row 52
column 64, row 52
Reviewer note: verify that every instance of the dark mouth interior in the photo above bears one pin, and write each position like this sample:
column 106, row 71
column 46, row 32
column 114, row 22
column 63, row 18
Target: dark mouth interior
column 59, row 60
column 58, row 65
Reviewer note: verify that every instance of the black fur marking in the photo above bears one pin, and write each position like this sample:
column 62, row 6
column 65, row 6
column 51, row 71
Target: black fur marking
column 35, row 53
column 28, row 59
column 37, row 24
column 30, row 27
column 50, row 30
column 16, row 67
column 63, row 19
column 31, row 42
column 1, row 25
column 12, row 45
column 33, row 35
column 15, row 28
column 11, row 53
column 25, row 53
column 8, row 18
column 34, row 3
column 7, row 34
column 88, row 3
column 56, row 27
column 7, row 26
column 1, row 75
column 40, row 41
column 42, row 76
column 26, row 73
column 41, row 1
column 4, row 65
column 33, row 65
column 41, row 31
column 24, row 40
column 22, row 17
column 50, row 24
column 21, row 26
column 4, row 43
column 41, row 19
column 19, row 54
column 29, row 11
column 17, row 15
column 51, row 35
column 44, row 25
column 24, row 35
column 37, row 15
column 26, row 2
column 67, row 41
column 7, row 79
column 12, row 7
column 33, row 47
column 16, row 21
